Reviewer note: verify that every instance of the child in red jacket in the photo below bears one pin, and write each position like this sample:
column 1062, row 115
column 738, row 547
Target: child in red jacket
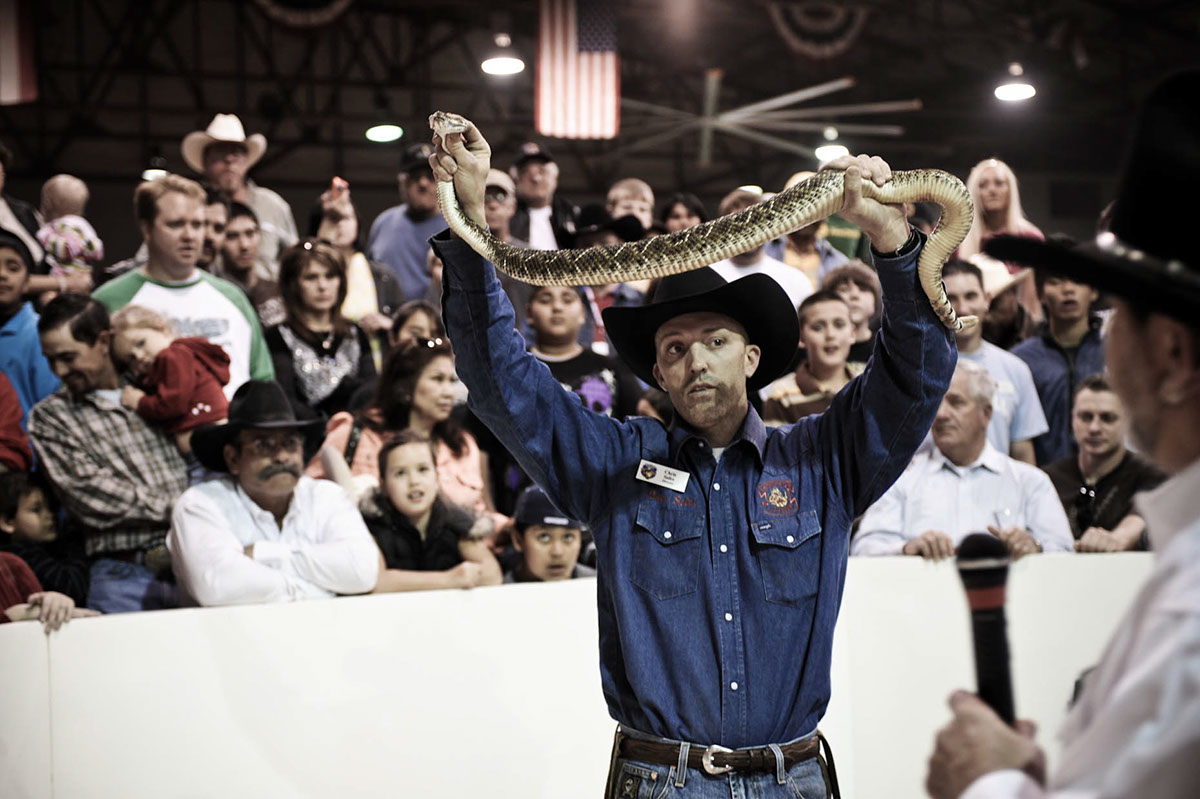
column 180, row 380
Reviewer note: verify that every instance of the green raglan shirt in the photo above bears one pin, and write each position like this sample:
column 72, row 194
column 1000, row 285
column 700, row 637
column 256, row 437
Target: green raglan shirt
column 204, row 306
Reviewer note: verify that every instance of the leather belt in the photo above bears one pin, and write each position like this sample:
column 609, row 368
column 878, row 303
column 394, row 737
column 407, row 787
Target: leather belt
column 716, row 759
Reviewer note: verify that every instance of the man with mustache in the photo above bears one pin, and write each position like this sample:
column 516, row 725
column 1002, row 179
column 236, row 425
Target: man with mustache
column 721, row 543
column 261, row 532
column 116, row 474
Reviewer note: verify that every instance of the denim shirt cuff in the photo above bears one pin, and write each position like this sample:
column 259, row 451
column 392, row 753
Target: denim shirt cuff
column 463, row 269
column 898, row 276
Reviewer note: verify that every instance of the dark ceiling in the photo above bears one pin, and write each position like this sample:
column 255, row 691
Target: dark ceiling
column 121, row 81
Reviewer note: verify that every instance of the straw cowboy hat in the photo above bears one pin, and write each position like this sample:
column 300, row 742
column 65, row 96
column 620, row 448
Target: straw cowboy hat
column 1148, row 255
column 756, row 302
column 223, row 128
column 996, row 277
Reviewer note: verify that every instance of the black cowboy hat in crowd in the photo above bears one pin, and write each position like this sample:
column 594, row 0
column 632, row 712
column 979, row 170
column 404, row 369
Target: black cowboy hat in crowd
column 1148, row 255
column 256, row 405
column 757, row 302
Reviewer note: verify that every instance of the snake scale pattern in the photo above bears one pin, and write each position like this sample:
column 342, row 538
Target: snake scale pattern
column 721, row 238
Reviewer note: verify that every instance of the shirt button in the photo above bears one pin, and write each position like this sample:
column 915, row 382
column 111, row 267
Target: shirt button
column 733, row 686
column 728, row 617
column 791, row 538
column 667, row 534
column 716, row 486
column 724, row 548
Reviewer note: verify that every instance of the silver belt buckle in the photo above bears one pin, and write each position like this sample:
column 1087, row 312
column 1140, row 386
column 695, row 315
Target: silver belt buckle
column 707, row 760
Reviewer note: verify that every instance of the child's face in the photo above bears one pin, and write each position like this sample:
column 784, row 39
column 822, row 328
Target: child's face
column 550, row 551
column 636, row 205
column 827, row 333
column 556, row 314
column 136, row 348
column 860, row 300
column 411, row 479
column 33, row 521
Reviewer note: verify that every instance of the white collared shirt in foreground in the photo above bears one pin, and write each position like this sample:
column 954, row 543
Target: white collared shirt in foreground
column 323, row 548
column 1135, row 731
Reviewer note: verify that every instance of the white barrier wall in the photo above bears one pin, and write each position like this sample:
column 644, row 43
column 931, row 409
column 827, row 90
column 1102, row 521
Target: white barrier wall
column 489, row 692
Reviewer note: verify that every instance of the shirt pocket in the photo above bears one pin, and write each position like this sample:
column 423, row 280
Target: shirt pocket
column 788, row 550
column 666, row 550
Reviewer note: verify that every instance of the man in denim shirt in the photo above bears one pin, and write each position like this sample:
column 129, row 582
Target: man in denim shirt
column 722, row 544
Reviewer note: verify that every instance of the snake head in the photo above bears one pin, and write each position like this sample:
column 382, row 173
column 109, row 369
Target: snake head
column 443, row 122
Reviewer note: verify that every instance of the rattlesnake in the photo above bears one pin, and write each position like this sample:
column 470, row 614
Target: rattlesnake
column 721, row 238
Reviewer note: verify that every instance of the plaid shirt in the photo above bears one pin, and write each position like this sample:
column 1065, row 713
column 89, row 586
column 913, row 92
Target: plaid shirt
column 114, row 472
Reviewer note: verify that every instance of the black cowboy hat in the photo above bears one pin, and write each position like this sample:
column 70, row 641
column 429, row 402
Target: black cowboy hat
column 757, row 302
column 256, row 405
column 594, row 218
column 1147, row 256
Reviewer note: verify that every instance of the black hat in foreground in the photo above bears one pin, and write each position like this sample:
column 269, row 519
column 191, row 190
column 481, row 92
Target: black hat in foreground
column 756, row 302
column 256, row 405
column 1147, row 256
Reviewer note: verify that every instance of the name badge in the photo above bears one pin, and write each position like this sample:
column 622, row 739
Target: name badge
column 665, row 476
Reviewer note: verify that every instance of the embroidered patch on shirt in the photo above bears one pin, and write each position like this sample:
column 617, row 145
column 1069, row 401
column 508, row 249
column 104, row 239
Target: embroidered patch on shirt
column 777, row 497
column 664, row 476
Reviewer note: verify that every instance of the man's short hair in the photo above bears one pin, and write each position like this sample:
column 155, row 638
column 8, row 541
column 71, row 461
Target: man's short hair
column 87, row 317
column 148, row 193
column 630, row 187
column 5, row 157
column 956, row 267
column 824, row 295
column 981, row 386
column 1096, row 382
column 214, row 197
column 237, row 209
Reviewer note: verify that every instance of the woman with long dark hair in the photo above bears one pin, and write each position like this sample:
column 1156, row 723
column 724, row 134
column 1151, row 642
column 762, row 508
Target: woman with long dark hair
column 416, row 391
column 320, row 357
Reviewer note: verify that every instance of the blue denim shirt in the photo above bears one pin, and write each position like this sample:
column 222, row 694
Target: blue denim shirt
column 716, row 604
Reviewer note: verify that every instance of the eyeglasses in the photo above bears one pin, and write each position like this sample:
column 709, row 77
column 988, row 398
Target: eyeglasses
column 495, row 195
column 265, row 447
column 429, row 342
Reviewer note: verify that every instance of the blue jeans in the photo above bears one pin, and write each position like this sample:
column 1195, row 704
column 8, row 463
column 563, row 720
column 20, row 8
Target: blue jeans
column 635, row 779
column 120, row 587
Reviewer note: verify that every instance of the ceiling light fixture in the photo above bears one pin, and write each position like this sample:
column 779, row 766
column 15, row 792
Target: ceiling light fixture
column 385, row 133
column 503, row 60
column 156, row 169
column 828, row 152
column 1015, row 88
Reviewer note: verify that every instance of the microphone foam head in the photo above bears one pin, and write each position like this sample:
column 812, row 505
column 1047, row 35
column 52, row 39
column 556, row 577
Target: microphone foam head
column 983, row 567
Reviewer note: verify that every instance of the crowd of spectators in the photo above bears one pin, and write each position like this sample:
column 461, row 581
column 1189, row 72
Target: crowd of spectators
column 235, row 414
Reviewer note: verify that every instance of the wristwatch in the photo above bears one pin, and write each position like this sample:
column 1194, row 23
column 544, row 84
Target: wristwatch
column 909, row 244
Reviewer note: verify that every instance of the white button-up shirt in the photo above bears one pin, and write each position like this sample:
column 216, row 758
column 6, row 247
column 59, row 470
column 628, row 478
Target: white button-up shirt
column 322, row 549
column 1135, row 731
column 934, row 494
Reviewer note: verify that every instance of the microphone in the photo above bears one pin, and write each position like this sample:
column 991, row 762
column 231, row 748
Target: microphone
column 983, row 567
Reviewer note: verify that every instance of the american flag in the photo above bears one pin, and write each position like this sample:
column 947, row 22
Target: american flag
column 578, row 89
column 18, row 81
